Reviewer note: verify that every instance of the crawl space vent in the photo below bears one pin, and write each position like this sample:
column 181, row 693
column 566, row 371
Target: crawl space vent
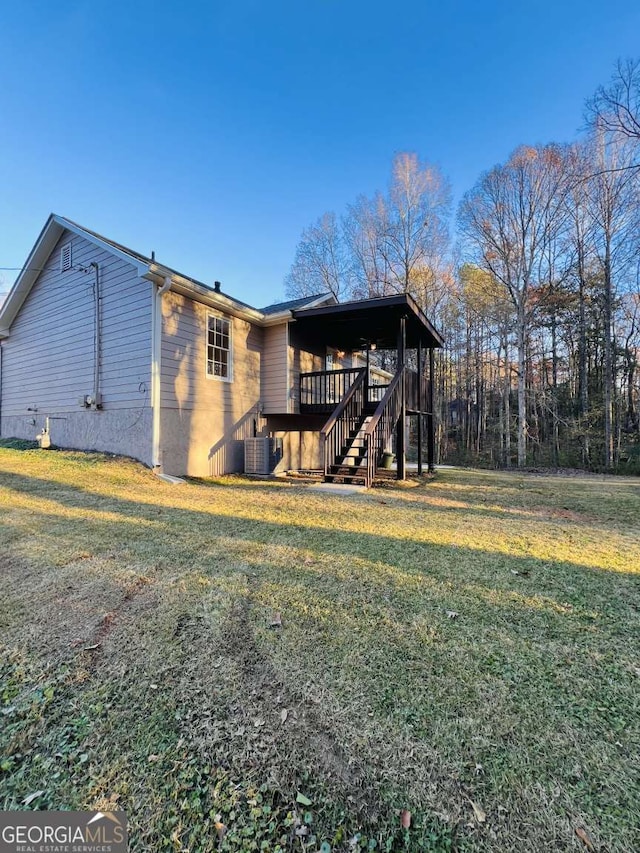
column 65, row 257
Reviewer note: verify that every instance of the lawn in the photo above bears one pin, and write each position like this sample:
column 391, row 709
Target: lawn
column 248, row 665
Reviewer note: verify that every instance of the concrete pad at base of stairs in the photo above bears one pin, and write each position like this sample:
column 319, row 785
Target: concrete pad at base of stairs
column 337, row 488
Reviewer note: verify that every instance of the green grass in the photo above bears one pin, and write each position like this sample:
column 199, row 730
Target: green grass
column 139, row 668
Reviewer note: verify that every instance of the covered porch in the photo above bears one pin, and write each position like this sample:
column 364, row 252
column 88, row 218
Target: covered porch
column 367, row 406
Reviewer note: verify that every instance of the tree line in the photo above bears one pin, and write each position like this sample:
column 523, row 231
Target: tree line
column 537, row 292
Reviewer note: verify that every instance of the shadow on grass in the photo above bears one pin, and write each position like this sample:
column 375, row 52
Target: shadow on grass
column 188, row 531
column 527, row 497
column 345, row 578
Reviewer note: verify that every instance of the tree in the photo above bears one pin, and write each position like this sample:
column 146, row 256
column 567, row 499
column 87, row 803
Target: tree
column 364, row 227
column 399, row 239
column 481, row 329
column 510, row 221
column 414, row 222
column 613, row 203
column 321, row 263
column 393, row 242
column 615, row 108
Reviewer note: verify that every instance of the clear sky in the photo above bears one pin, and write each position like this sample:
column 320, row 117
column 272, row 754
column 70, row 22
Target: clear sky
column 214, row 132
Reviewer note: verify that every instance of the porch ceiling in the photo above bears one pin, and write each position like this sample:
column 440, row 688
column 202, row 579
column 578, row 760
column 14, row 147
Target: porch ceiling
column 354, row 325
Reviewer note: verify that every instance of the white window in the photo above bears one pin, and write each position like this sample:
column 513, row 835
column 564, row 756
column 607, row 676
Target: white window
column 219, row 347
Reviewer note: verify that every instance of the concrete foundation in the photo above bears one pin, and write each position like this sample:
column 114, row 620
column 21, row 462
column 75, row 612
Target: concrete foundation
column 125, row 432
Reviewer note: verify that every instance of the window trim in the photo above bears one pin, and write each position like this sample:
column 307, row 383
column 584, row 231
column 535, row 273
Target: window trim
column 215, row 377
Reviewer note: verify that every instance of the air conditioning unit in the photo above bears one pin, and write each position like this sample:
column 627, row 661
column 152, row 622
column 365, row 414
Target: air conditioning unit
column 261, row 455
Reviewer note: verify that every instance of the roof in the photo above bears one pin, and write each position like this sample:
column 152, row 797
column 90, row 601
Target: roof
column 139, row 258
column 135, row 256
column 302, row 302
column 146, row 267
column 355, row 325
column 346, row 325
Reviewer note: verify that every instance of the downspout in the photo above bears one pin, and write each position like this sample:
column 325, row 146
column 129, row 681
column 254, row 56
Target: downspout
column 156, row 348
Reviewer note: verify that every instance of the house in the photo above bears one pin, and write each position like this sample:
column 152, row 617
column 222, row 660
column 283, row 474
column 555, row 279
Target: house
column 104, row 348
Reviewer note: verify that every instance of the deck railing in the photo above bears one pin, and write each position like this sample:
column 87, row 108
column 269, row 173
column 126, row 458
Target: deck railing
column 323, row 389
column 417, row 391
column 380, row 428
column 376, row 392
column 345, row 419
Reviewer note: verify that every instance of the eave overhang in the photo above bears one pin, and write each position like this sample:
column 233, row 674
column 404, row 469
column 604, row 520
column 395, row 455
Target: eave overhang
column 54, row 228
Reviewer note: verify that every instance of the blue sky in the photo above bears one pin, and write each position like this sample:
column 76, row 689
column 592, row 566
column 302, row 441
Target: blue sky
column 214, row 132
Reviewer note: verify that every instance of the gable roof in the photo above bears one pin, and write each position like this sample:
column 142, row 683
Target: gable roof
column 146, row 267
column 348, row 325
column 53, row 230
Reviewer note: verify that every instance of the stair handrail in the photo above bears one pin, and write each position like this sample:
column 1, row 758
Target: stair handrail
column 350, row 407
column 380, row 428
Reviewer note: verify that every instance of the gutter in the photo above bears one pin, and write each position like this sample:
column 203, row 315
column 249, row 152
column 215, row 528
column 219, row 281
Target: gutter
column 198, row 292
column 191, row 289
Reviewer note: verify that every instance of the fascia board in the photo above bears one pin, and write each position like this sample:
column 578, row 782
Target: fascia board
column 140, row 267
column 213, row 300
column 38, row 256
column 54, row 228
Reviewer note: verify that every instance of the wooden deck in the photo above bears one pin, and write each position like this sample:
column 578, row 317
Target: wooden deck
column 322, row 390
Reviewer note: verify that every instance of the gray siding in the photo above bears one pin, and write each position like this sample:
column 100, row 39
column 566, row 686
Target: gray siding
column 48, row 359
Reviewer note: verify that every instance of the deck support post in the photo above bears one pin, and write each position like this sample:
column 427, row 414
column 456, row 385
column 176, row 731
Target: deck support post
column 420, row 405
column 431, row 444
column 367, row 382
column 400, row 431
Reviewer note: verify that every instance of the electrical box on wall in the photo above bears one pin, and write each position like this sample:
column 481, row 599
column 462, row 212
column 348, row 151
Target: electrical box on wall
column 91, row 401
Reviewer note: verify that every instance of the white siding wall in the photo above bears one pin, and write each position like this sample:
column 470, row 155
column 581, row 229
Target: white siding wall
column 48, row 359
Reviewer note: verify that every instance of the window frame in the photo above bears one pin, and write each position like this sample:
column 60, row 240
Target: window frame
column 212, row 315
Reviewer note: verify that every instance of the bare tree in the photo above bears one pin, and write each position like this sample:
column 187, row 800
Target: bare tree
column 613, row 204
column 364, row 228
column 389, row 243
column 399, row 240
column 510, row 220
column 615, row 108
column 579, row 163
column 415, row 233
column 321, row 263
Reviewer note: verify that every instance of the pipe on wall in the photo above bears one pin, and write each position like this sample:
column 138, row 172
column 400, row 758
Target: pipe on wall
column 97, row 337
column 156, row 349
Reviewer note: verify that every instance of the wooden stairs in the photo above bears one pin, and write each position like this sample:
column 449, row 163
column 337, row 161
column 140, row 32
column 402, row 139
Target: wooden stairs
column 359, row 431
column 350, row 464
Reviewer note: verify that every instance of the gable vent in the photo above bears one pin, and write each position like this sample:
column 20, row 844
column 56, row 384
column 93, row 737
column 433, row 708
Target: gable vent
column 65, row 257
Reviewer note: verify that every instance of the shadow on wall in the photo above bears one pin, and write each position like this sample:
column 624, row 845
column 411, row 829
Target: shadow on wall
column 176, row 363
column 204, row 419
column 227, row 454
column 240, row 400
